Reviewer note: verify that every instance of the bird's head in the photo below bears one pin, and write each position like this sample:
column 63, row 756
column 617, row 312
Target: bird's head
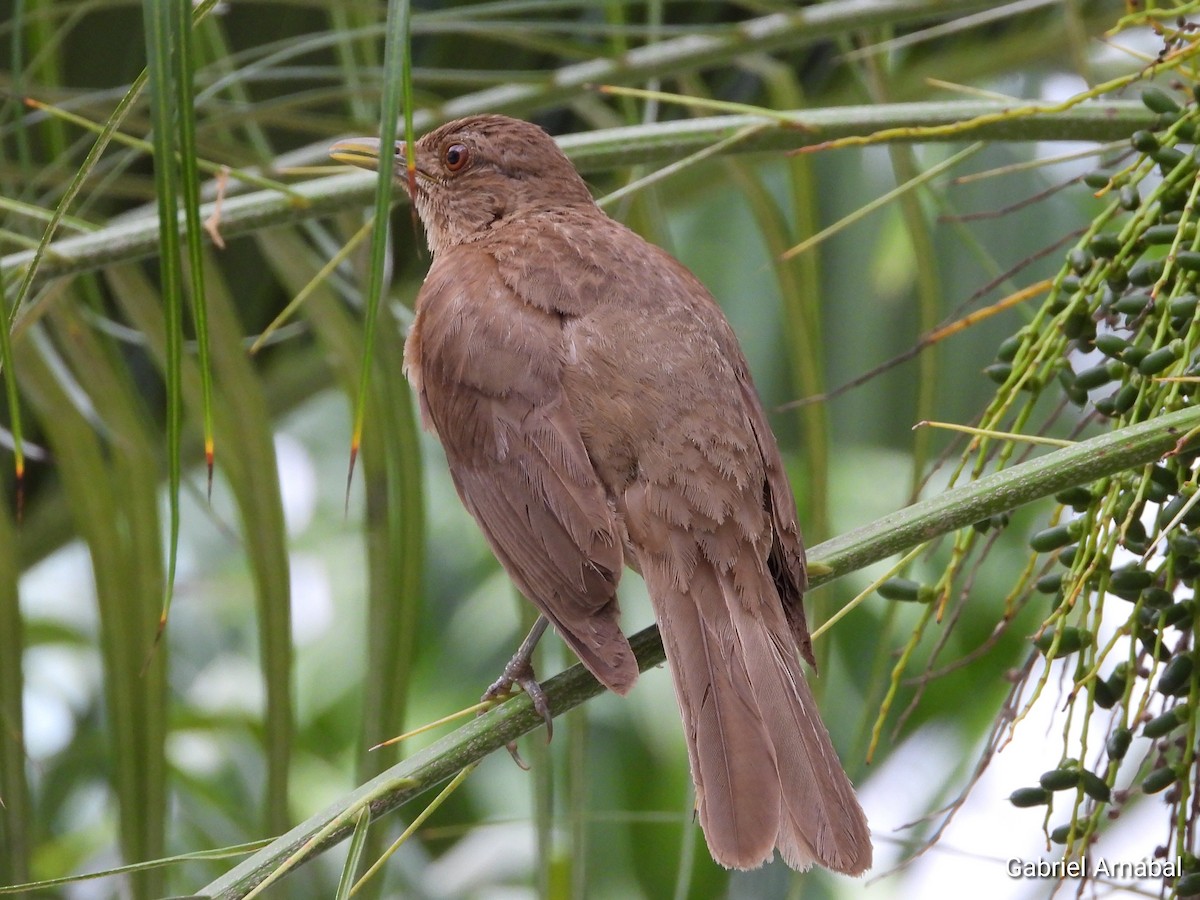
column 475, row 174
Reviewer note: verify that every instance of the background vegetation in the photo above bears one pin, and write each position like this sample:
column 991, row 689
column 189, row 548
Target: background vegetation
column 307, row 625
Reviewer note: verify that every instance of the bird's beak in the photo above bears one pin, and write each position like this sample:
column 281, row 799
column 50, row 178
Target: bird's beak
column 364, row 153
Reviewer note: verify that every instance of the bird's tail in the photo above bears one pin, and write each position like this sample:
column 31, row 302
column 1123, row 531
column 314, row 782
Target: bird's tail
column 766, row 774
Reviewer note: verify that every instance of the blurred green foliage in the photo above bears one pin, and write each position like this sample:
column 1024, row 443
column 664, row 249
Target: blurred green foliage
column 308, row 624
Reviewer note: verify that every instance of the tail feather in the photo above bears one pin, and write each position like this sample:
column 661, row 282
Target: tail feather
column 822, row 819
column 728, row 746
column 766, row 773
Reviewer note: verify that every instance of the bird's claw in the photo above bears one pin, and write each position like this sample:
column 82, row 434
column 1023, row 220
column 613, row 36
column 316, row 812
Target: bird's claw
column 519, row 673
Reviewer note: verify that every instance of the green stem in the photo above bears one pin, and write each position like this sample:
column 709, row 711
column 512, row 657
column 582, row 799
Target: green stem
column 138, row 238
column 1084, row 462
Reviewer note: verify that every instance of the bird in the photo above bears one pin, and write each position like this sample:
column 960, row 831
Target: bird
column 597, row 412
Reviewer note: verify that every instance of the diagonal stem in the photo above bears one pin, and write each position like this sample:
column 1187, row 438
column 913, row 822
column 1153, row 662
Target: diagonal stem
column 1084, row 462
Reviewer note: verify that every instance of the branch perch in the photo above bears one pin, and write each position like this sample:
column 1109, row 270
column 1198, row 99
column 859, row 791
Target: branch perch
column 1084, row 462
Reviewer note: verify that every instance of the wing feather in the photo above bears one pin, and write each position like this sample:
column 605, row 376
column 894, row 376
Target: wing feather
column 488, row 369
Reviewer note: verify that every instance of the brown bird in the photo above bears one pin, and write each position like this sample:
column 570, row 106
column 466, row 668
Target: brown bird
column 596, row 412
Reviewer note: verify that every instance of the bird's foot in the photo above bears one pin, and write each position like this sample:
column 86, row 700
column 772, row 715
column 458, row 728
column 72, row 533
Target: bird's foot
column 519, row 673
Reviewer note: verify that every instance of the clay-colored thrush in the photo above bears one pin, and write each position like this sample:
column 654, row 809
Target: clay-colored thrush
column 596, row 412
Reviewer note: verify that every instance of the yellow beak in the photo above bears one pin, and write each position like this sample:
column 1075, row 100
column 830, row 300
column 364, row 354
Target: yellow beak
column 363, row 152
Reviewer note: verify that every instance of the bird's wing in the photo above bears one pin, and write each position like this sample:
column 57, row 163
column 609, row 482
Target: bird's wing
column 786, row 561
column 487, row 368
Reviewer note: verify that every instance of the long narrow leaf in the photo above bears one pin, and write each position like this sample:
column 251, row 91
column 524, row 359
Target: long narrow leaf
column 242, row 422
column 17, row 838
column 605, row 149
column 395, row 56
column 113, row 488
column 159, row 47
column 14, row 402
column 358, row 844
column 189, row 183
column 395, row 515
column 1085, row 462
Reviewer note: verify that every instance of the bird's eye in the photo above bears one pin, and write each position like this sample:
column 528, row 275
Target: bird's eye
column 456, row 156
